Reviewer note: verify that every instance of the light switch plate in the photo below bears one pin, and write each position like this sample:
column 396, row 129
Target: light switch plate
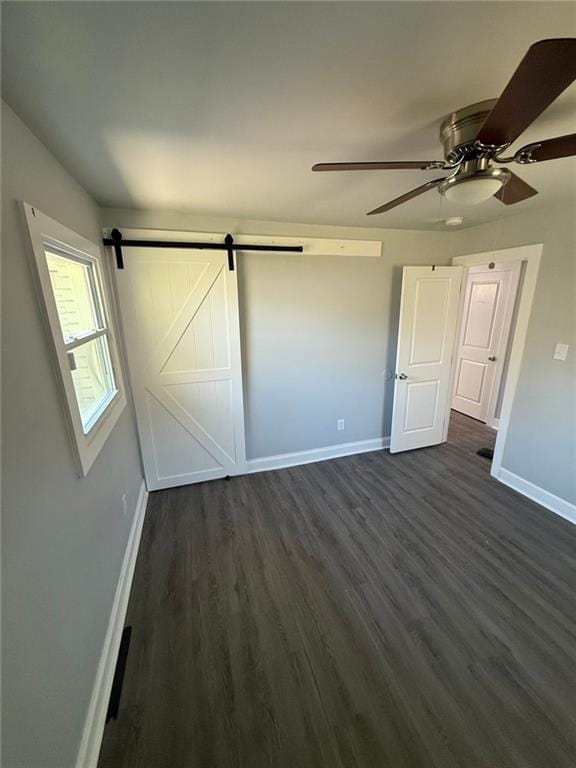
column 560, row 351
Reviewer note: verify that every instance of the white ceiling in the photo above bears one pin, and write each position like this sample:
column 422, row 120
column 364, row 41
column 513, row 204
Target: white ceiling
column 222, row 108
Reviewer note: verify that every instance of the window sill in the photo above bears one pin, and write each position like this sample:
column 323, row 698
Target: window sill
column 88, row 449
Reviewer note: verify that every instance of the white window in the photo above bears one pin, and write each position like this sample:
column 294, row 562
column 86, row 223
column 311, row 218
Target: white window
column 76, row 307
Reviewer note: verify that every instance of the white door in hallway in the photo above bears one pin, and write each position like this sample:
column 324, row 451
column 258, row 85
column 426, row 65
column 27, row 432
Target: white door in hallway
column 426, row 338
column 485, row 327
column 180, row 316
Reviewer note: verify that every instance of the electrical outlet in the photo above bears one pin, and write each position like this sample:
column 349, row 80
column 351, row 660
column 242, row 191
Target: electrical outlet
column 561, row 351
column 124, row 504
column 340, row 425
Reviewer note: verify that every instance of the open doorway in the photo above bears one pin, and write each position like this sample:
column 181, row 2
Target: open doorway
column 483, row 346
column 486, row 327
column 428, row 332
column 496, row 300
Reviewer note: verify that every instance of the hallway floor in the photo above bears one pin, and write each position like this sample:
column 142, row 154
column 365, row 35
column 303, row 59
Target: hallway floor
column 373, row 611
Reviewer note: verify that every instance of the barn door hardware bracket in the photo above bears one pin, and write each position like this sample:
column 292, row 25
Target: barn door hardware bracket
column 117, row 242
column 229, row 240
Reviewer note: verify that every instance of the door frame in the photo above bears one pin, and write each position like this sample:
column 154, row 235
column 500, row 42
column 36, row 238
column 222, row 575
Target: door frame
column 531, row 255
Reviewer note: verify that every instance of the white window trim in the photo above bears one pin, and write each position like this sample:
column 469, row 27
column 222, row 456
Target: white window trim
column 44, row 232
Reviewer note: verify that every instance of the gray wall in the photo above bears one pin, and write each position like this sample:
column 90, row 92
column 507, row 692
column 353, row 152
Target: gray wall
column 63, row 538
column 541, row 445
column 319, row 333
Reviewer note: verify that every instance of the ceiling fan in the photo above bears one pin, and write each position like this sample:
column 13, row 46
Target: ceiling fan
column 474, row 137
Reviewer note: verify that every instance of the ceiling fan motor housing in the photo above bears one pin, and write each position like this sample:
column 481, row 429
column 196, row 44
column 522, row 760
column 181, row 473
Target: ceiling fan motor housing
column 458, row 131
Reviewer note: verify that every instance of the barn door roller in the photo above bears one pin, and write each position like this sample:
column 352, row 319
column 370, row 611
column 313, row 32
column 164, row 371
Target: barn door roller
column 116, row 241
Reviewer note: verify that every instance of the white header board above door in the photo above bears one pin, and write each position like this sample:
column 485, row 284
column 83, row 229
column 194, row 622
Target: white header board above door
column 313, row 246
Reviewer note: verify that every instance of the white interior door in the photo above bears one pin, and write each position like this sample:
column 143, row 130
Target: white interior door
column 426, row 337
column 486, row 320
column 180, row 315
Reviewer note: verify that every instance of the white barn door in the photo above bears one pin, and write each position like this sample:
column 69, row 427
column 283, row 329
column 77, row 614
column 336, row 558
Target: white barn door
column 180, row 315
column 426, row 336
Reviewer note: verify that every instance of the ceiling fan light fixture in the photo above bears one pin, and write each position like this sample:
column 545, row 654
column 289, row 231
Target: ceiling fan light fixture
column 473, row 192
column 474, row 187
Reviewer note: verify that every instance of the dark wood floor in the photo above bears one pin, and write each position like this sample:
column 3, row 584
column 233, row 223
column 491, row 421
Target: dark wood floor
column 376, row 611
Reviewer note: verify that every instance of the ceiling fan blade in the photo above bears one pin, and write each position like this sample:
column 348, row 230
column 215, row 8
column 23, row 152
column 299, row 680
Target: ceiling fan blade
column 406, row 197
column 546, row 70
column 550, row 149
column 515, row 191
column 421, row 165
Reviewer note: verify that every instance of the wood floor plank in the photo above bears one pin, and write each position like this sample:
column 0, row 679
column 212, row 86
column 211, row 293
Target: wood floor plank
column 373, row 611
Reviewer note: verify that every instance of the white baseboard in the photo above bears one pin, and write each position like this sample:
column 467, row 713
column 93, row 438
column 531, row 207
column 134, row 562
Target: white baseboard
column 554, row 503
column 283, row 460
column 94, row 725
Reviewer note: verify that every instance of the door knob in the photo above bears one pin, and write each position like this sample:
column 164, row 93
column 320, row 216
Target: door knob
column 401, row 376
column 492, row 358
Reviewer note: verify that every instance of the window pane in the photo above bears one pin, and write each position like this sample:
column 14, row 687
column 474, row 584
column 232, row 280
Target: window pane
column 71, row 283
column 93, row 379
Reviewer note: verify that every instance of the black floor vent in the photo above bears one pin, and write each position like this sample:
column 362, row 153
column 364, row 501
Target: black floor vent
column 116, row 693
column 486, row 453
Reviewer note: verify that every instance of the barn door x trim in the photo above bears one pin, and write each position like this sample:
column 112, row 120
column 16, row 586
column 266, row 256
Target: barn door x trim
column 179, row 309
